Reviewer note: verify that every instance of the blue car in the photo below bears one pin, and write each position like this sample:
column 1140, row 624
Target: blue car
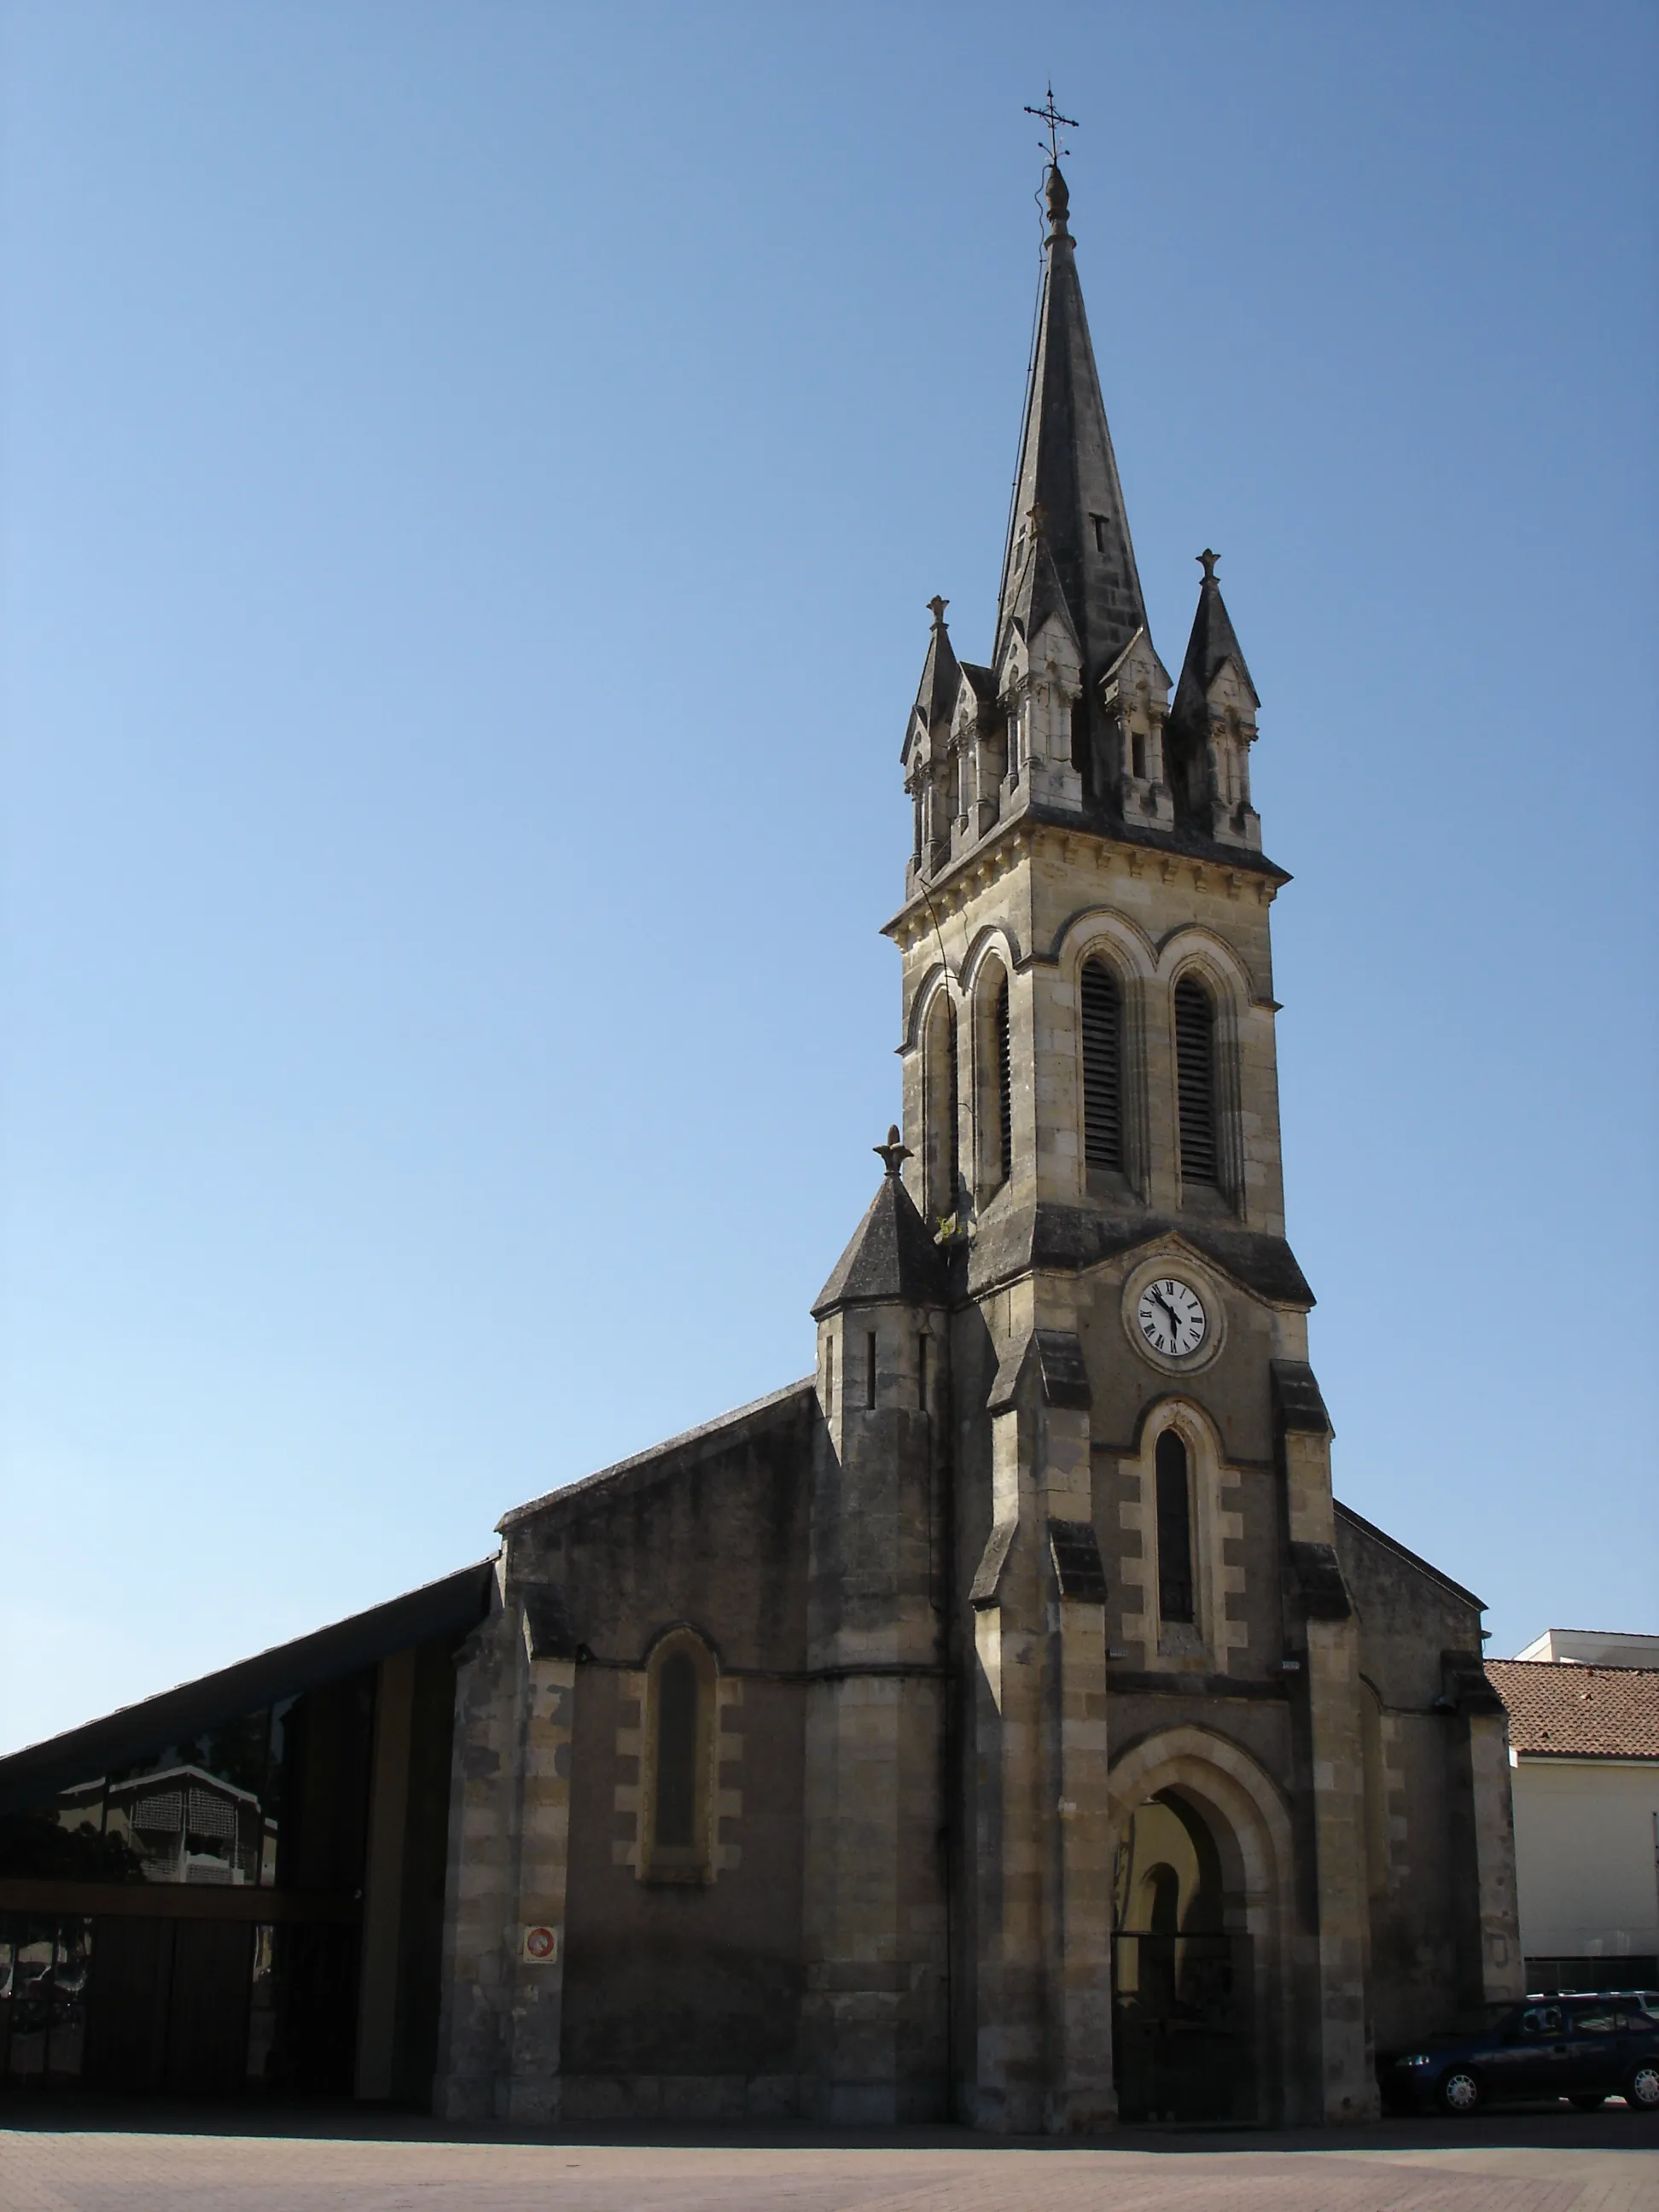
column 1585, row 2047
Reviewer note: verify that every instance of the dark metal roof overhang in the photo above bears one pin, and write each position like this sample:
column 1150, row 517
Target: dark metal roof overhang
column 448, row 1608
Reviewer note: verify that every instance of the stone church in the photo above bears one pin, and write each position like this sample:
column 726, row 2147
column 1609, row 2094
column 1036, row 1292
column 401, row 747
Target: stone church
column 1003, row 1722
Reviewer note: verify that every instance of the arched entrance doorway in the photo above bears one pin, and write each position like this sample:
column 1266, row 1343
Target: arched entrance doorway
column 1199, row 1916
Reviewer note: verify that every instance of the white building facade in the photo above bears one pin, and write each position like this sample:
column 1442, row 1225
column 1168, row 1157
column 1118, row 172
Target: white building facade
column 1583, row 1712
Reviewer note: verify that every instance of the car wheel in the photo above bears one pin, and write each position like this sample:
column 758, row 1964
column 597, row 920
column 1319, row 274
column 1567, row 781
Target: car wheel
column 1642, row 2087
column 1589, row 2104
column 1460, row 2093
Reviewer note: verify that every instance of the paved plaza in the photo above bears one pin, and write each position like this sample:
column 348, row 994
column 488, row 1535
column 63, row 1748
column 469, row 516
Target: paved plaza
column 1555, row 2162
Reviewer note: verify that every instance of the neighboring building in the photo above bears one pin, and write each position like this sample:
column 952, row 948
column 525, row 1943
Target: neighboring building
column 239, row 1885
column 1593, row 1647
column 1584, row 1713
column 1003, row 1720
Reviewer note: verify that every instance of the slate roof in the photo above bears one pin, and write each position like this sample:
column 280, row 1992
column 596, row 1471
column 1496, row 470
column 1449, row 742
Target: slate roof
column 1213, row 642
column 892, row 1256
column 1038, row 592
column 1072, row 1237
column 941, row 681
column 1375, row 1535
column 1558, row 1710
column 1066, row 465
column 659, row 1463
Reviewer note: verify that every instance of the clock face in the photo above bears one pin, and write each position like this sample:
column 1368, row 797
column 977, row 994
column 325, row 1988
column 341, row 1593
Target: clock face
column 1172, row 1317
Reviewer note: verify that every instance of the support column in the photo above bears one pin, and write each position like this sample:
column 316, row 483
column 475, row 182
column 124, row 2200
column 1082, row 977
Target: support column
column 1484, row 1754
column 477, row 1905
column 1330, row 1661
column 1503, row 1969
column 509, row 1836
column 1010, row 2029
column 874, row 2022
column 1349, row 2083
column 1081, row 2096
column 535, row 1937
column 1044, row 1840
column 383, row 1885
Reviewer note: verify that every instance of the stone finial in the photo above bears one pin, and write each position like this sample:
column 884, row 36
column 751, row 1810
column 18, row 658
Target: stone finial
column 1206, row 561
column 893, row 1153
column 1060, row 201
column 936, row 607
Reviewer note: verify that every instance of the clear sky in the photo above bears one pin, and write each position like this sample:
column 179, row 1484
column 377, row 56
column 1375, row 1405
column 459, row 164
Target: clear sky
column 472, row 475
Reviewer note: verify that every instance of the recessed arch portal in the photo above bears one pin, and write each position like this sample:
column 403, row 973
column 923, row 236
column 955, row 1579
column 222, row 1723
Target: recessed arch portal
column 1201, row 2007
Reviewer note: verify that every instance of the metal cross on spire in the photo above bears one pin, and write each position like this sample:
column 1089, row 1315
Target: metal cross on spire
column 1050, row 114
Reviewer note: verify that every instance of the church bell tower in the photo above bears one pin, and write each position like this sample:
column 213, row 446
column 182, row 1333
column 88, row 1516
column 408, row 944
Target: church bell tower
column 1138, row 1456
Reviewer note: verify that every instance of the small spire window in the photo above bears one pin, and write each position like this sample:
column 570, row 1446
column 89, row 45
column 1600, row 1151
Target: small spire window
column 1102, row 1067
column 1195, row 1028
column 1099, row 522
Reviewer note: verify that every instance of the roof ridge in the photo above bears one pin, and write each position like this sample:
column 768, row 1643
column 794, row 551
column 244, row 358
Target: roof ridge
column 704, row 1432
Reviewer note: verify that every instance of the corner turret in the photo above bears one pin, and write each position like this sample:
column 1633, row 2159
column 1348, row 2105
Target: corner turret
column 1212, row 727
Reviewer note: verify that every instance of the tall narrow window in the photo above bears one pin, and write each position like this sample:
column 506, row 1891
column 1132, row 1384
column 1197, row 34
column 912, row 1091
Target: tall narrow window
column 870, row 1368
column 677, row 1753
column 940, row 1108
column 678, row 1743
column 1005, row 1079
column 1102, row 1067
column 1194, row 1026
column 948, row 1106
column 1174, row 1530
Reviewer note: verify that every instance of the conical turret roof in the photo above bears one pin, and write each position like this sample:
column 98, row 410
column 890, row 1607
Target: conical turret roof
column 891, row 1257
column 1213, row 643
column 941, row 678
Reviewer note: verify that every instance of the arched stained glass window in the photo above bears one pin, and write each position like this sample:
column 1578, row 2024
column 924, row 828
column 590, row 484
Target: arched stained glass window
column 677, row 1752
column 1175, row 1529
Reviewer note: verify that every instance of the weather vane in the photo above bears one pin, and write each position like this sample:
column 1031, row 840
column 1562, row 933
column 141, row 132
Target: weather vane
column 1050, row 114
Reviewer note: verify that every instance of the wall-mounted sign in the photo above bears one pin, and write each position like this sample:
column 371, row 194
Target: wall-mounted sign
column 540, row 1947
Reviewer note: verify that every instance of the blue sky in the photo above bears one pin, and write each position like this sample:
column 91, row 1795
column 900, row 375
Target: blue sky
column 472, row 477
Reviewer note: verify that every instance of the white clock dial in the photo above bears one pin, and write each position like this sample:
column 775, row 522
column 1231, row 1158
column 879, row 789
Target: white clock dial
column 1172, row 1317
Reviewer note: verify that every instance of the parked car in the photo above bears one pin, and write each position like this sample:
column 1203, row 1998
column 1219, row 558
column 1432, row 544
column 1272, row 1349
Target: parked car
column 1586, row 2047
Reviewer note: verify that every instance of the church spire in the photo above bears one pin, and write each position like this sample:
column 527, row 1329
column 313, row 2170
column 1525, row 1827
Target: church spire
column 1068, row 470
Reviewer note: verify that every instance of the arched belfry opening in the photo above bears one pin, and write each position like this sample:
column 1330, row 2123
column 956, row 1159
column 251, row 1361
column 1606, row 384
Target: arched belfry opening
column 1197, row 1936
column 941, row 1109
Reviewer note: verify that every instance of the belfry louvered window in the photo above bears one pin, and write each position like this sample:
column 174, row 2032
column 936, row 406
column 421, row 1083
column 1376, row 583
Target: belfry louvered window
column 1174, row 1530
column 1005, row 1079
column 1102, row 1067
column 1194, row 1026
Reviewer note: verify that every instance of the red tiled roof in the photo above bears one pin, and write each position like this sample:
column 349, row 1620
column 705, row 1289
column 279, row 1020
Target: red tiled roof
column 1596, row 1713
